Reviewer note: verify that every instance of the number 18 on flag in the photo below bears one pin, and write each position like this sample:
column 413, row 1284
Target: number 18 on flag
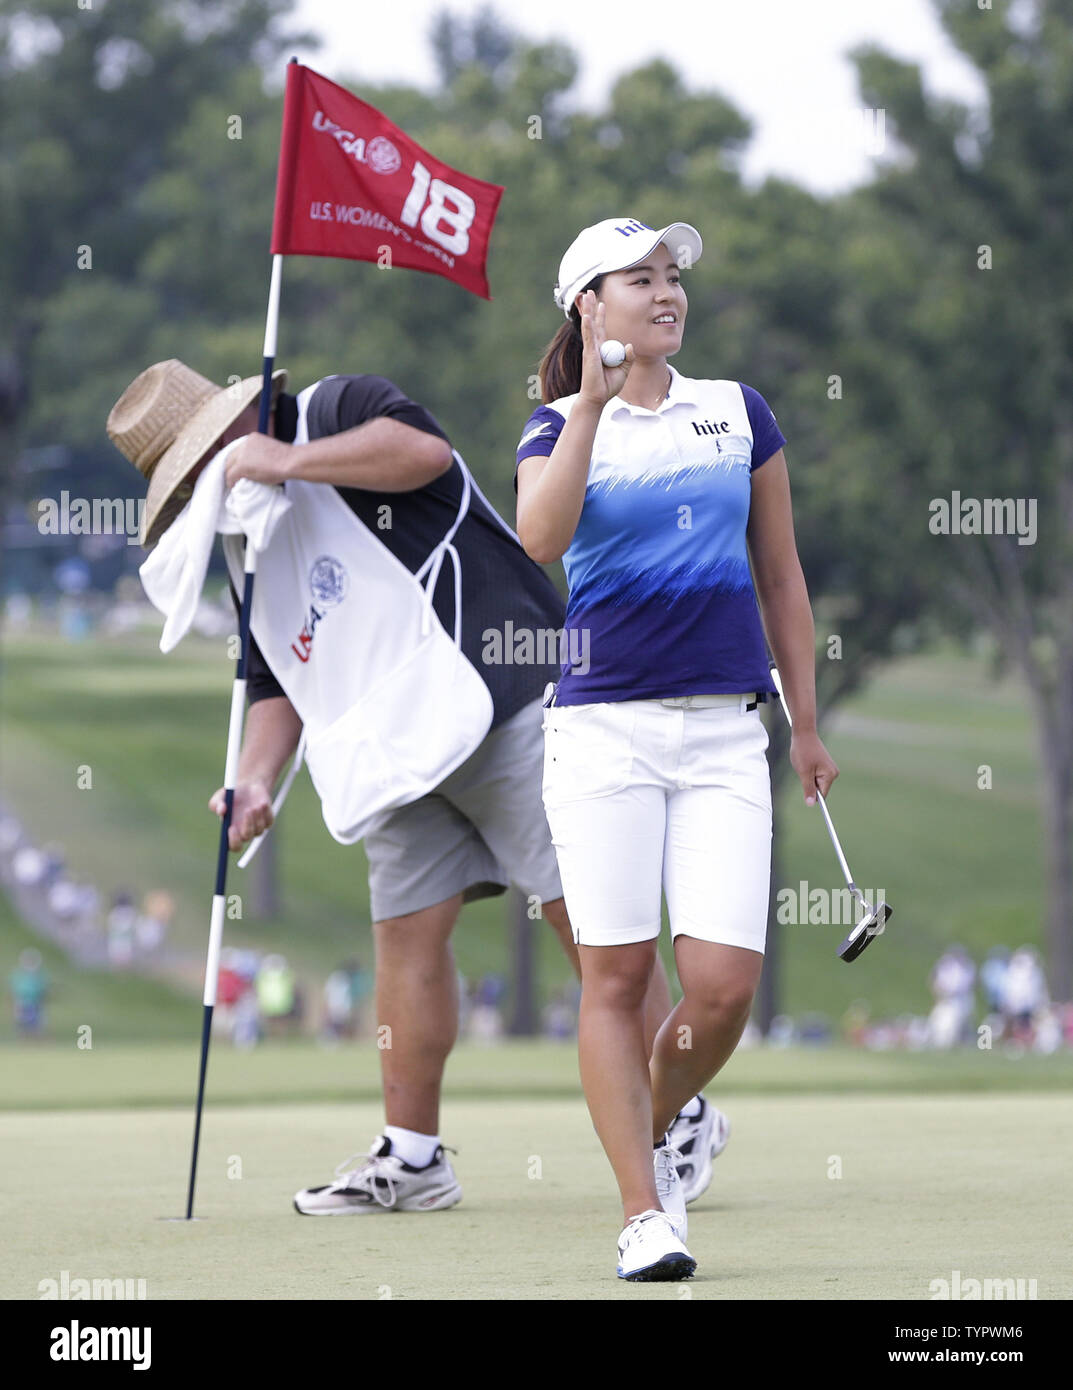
column 351, row 184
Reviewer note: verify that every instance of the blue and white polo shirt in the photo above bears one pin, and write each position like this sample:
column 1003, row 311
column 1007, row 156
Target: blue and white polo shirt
column 661, row 597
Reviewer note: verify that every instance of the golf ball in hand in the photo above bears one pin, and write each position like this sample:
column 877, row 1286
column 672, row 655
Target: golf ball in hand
column 612, row 354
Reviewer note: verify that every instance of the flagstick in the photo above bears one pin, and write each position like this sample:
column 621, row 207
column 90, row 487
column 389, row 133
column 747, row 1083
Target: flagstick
column 234, row 743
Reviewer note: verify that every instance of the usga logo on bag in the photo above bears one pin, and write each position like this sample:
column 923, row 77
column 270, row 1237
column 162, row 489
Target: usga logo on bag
column 328, row 581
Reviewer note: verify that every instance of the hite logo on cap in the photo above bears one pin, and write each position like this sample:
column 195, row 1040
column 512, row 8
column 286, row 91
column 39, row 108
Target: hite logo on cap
column 628, row 228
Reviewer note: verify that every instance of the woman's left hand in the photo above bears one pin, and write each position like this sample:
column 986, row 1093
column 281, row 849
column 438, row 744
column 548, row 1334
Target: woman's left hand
column 812, row 763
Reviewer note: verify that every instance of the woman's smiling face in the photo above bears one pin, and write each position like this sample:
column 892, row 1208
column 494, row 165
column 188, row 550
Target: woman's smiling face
column 646, row 305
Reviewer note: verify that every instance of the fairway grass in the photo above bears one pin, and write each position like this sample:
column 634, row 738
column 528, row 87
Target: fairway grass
column 46, row 1077
column 956, row 862
column 928, row 1185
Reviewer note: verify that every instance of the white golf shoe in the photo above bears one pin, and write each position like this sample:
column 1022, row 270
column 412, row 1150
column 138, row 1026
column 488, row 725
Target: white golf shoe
column 382, row 1182
column 669, row 1185
column 649, row 1250
column 698, row 1140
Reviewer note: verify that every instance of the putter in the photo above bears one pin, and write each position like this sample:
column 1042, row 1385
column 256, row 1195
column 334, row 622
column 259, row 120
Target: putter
column 875, row 918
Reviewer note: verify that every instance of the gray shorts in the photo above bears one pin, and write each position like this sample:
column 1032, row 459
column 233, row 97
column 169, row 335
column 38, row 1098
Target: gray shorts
column 481, row 829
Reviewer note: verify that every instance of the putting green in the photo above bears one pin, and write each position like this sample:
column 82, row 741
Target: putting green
column 928, row 1185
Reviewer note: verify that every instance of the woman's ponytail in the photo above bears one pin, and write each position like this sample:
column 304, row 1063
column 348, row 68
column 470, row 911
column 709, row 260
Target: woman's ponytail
column 560, row 367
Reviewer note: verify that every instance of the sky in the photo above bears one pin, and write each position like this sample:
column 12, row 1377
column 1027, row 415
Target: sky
column 782, row 62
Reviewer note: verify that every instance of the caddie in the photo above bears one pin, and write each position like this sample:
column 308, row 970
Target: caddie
column 409, row 500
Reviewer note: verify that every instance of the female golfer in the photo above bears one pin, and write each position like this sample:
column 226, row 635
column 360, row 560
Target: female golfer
column 656, row 491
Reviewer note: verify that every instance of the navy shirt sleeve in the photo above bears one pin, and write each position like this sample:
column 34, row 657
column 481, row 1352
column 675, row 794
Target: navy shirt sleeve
column 768, row 439
column 539, row 436
column 344, row 402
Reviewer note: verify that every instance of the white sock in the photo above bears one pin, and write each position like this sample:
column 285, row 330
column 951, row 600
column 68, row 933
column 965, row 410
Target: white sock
column 415, row 1149
column 692, row 1108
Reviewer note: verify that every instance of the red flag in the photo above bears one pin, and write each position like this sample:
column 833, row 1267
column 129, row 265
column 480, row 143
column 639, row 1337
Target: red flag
column 351, row 183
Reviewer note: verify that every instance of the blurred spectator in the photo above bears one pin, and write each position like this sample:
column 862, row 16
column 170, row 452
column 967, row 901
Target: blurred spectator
column 362, row 985
column 120, row 924
column 952, row 982
column 18, row 610
column 486, row 1016
column 55, row 862
column 246, row 1020
column 29, row 867
column 344, row 995
column 559, row 1018
column 277, row 995
column 993, row 977
column 855, row 1022
column 1024, row 993
column 158, row 908
column 339, row 1004
column 29, row 988
column 1048, row 1031
column 230, row 986
column 814, row 1029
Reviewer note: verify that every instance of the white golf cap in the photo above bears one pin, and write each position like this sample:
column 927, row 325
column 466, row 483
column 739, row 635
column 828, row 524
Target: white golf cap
column 615, row 244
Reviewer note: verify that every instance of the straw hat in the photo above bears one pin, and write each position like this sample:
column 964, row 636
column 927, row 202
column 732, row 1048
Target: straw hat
column 166, row 421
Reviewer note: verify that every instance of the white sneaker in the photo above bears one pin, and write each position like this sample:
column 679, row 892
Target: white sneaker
column 382, row 1182
column 669, row 1186
column 649, row 1250
column 698, row 1140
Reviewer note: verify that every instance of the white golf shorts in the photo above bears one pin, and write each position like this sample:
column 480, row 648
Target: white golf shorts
column 645, row 795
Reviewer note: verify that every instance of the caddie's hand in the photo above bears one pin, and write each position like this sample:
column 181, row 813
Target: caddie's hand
column 599, row 383
column 813, row 764
column 260, row 458
column 251, row 815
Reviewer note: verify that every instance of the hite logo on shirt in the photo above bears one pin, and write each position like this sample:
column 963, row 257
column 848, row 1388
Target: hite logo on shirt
column 328, row 582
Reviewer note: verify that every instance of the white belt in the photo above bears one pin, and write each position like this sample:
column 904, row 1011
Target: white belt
column 704, row 701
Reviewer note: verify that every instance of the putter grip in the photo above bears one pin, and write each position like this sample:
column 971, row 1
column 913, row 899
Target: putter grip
column 777, row 680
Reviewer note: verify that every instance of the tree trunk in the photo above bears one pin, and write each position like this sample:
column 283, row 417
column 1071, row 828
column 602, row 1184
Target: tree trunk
column 523, row 1022
column 264, row 879
column 1056, row 792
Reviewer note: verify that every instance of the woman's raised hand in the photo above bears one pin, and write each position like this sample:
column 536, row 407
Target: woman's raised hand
column 598, row 383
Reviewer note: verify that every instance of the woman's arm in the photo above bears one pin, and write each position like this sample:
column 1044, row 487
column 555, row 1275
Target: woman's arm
column 551, row 491
column 787, row 615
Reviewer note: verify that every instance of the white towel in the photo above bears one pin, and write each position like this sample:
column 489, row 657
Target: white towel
column 174, row 574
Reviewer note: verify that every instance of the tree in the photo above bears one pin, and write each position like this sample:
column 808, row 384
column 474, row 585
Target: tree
column 964, row 356
column 90, row 100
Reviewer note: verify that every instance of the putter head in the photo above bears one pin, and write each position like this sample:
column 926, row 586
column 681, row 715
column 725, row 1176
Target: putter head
column 865, row 932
